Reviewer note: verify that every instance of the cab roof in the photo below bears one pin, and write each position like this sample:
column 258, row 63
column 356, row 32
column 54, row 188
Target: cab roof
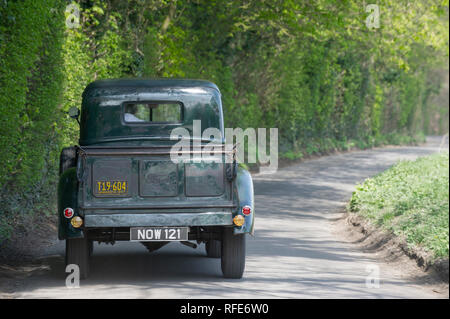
column 150, row 83
column 103, row 109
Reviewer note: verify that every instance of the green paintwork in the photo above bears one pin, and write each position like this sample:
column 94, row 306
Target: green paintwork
column 159, row 191
column 245, row 197
column 158, row 178
column 168, row 185
column 68, row 197
column 112, row 219
column 102, row 109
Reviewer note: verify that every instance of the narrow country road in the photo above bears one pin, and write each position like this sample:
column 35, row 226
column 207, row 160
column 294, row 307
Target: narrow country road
column 294, row 253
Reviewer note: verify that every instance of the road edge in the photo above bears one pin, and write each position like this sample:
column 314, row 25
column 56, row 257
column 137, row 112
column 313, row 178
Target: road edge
column 391, row 250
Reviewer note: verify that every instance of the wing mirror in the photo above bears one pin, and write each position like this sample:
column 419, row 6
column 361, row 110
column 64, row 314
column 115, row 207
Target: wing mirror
column 74, row 113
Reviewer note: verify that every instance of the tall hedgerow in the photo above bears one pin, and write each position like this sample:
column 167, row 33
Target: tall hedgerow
column 31, row 77
column 313, row 69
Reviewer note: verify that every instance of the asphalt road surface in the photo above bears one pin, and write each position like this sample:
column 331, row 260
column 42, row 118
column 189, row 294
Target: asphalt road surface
column 294, row 253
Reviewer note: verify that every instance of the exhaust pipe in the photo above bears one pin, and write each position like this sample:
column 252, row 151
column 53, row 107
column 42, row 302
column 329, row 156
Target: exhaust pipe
column 189, row 244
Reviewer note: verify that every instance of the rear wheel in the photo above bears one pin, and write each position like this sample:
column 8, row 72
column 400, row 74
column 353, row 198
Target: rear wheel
column 213, row 249
column 77, row 252
column 233, row 254
column 91, row 247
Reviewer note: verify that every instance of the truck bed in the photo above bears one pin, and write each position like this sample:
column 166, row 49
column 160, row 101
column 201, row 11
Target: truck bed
column 145, row 180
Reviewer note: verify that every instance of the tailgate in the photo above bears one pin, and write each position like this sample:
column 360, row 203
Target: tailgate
column 147, row 178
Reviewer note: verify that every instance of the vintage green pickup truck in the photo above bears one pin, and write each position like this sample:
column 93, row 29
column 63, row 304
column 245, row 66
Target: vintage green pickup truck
column 121, row 183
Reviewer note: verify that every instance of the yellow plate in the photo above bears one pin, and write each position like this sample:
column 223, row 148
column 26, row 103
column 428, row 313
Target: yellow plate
column 111, row 187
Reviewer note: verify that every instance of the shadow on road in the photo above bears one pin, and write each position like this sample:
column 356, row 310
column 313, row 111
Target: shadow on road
column 293, row 254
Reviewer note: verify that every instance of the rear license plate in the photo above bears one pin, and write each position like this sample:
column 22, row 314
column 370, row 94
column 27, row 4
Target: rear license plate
column 111, row 187
column 159, row 233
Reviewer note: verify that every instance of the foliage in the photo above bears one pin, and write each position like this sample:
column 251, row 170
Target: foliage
column 31, row 79
column 412, row 200
column 312, row 69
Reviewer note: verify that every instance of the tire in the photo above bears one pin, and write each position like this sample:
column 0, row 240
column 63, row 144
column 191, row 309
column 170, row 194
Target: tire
column 77, row 252
column 213, row 248
column 91, row 247
column 233, row 254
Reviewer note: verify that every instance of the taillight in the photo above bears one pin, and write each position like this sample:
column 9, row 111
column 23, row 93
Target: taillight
column 68, row 212
column 246, row 210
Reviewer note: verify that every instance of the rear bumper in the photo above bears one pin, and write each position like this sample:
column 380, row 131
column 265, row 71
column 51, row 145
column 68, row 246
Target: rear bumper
column 158, row 219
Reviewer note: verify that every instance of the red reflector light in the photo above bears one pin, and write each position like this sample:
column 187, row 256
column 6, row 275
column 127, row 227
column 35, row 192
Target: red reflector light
column 246, row 210
column 68, row 212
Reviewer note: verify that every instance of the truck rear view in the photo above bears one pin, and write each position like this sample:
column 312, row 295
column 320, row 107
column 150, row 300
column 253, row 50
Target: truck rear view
column 129, row 179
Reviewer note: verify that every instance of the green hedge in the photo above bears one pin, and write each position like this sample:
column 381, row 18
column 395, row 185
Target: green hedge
column 312, row 69
column 31, row 83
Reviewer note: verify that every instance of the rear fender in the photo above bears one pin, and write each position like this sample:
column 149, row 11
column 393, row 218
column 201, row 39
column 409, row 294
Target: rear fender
column 68, row 197
column 244, row 192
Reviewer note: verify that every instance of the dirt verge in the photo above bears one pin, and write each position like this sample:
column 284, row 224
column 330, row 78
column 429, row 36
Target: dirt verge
column 19, row 255
column 393, row 251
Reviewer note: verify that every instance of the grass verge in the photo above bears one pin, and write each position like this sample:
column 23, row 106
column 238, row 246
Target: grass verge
column 410, row 200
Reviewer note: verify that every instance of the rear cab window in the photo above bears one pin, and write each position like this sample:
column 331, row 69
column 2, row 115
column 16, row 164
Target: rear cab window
column 152, row 112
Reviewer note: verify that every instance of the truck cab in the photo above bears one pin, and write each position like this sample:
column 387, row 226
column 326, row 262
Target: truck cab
column 147, row 169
